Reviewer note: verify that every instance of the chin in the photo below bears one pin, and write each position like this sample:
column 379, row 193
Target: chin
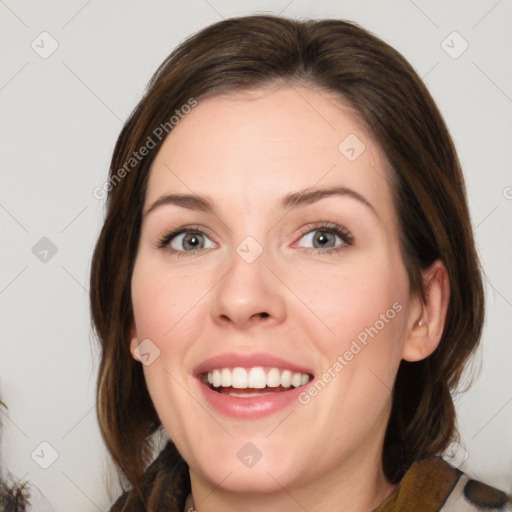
column 260, row 479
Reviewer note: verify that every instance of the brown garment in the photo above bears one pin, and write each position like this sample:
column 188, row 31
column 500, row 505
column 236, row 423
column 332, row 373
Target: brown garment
column 430, row 485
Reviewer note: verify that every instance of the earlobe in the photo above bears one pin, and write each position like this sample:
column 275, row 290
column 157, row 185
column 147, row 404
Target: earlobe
column 134, row 343
column 427, row 321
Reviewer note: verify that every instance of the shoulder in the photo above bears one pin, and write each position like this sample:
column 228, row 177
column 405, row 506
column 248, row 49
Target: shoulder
column 433, row 485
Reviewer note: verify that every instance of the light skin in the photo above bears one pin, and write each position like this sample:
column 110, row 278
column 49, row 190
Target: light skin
column 246, row 152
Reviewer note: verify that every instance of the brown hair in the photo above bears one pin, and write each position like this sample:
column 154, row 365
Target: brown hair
column 429, row 194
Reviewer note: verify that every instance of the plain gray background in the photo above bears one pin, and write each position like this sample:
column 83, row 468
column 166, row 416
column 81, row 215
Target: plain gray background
column 61, row 114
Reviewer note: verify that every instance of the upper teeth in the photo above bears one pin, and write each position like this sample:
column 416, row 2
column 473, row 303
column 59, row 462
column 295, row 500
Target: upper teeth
column 257, row 377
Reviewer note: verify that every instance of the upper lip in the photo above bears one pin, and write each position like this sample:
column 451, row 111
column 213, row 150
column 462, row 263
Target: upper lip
column 233, row 360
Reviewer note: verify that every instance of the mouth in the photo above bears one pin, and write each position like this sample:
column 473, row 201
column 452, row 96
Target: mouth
column 250, row 386
column 255, row 381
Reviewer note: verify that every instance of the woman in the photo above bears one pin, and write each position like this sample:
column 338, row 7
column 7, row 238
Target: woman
column 286, row 282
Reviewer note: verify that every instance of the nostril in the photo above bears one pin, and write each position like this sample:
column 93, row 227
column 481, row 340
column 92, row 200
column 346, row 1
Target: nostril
column 264, row 315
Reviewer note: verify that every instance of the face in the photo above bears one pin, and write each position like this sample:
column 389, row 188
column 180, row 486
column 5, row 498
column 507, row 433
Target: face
column 293, row 303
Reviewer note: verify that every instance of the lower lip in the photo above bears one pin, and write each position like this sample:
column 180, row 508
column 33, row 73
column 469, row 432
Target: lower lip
column 249, row 407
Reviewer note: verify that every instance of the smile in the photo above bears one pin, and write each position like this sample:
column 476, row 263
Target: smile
column 271, row 379
column 237, row 386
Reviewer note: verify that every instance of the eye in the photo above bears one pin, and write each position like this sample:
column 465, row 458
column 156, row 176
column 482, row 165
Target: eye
column 326, row 238
column 185, row 240
column 189, row 241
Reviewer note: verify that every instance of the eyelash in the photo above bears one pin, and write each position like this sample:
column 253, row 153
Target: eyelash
column 328, row 227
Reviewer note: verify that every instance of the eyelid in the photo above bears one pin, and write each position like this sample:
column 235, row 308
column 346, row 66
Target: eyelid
column 343, row 233
column 325, row 224
column 179, row 239
column 164, row 241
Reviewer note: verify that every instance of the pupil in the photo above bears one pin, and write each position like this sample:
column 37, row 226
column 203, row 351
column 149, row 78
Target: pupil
column 192, row 240
column 322, row 238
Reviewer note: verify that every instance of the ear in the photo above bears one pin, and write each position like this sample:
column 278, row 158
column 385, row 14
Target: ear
column 134, row 343
column 427, row 318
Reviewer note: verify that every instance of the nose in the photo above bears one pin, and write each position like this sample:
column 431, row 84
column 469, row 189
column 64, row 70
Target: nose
column 249, row 294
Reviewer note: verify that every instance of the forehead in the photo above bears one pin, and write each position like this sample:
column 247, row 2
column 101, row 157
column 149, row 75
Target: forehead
column 266, row 143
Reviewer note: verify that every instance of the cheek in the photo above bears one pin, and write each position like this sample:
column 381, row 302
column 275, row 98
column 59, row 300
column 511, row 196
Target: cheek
column 362, row 312
column 164, row 302
column 167, row 306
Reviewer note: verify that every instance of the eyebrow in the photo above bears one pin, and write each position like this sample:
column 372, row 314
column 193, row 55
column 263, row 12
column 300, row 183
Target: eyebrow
column 288, row 202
